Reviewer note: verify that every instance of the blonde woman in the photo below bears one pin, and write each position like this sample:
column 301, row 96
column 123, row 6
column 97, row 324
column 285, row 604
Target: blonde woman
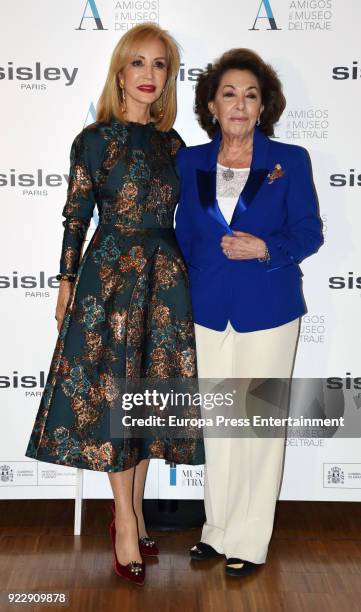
column 124, row 308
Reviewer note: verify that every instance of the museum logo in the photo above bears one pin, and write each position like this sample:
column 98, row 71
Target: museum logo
column 307, row 15
column 307, row 124
column 313, row 329
column 126, row 14
column 266, row 16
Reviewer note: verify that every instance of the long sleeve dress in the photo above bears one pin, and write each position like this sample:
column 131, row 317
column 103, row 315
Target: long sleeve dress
column 129, row 315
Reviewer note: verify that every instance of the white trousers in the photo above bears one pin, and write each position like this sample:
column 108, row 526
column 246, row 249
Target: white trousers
column 243, row 475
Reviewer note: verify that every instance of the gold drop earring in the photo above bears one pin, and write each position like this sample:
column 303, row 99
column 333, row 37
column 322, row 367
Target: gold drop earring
column 124, row 104
column 161, row 111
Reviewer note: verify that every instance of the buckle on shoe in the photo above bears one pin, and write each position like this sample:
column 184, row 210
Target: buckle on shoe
column 146, row 541
column 135, row 567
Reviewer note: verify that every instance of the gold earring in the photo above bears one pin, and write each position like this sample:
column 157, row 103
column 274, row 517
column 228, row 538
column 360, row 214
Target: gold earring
column 161, row 111
column 124, row 104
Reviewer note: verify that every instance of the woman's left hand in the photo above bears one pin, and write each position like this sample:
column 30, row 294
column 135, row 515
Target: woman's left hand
column 243, row 246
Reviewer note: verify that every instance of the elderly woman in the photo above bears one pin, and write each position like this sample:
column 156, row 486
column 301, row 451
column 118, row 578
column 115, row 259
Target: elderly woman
column 247, row 216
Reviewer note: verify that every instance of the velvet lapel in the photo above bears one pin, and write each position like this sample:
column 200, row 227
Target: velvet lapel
column 257, row 174
column 206, row 178
column 206, row 182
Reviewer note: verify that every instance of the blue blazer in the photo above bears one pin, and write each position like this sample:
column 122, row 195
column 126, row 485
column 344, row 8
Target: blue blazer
column 252, row 295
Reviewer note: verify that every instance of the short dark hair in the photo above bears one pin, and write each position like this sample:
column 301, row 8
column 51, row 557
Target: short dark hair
column 273, row 100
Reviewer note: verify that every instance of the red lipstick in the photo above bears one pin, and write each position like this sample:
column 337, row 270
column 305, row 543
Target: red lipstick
column 147, row 88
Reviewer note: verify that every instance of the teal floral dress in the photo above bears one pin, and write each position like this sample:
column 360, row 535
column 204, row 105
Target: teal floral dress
column 129, row 315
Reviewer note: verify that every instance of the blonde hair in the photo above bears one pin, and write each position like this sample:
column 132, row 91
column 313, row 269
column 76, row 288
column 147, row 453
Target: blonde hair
column 110, row 101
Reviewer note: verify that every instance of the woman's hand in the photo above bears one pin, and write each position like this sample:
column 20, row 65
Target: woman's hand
column 243, row 246
column 65, row 290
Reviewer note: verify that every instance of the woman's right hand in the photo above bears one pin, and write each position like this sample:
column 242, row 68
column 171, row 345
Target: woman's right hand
column 65, row 289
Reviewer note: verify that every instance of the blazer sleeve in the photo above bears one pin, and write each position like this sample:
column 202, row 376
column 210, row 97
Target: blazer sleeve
column 302, row 235
column 182, row 220
column 79, row 205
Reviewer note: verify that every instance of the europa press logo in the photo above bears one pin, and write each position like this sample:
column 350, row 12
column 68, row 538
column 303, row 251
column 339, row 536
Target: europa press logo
column 127, row 13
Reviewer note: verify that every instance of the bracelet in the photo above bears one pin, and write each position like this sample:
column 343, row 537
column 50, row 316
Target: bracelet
column 266, row 258
column 68, row 277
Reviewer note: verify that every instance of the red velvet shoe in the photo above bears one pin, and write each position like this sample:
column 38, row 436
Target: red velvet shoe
column 133, row 571
column 147, row 546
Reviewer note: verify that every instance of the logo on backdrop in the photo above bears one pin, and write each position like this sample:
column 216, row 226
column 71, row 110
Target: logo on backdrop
column 173, row 475
column 349, row 281
column 189, row 476
column 335, row 475
column 342, row 475
column 307, row 124
column 32, row 183
column 91, row 12
column 302, row 15
column 6, row 473
column 265, row 13
column 342, row 73
column 313, row 329
column 31, row 384
column 36, row 286
column 310, row 15
column 348, row 179
column 127, row 13
column 36, row 74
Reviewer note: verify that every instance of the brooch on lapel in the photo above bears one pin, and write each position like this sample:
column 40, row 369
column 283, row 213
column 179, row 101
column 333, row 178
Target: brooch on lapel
column 275, row 174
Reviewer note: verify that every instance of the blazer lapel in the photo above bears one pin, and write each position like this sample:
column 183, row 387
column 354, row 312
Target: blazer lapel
column 257, row 174
column 207, row 176
column 207, row 182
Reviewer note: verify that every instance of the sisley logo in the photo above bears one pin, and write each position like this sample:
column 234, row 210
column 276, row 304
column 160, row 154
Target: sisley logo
column 32, row 385
column 265, row 12
column 346, row 180
column 37, row 73
column 33, row 183
column 342, row 73
column 15, row 381
column 30, row 282
column 348, row 382
column 345, row 282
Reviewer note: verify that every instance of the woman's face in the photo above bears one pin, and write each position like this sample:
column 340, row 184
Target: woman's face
column 237, row 103
column 145, row 74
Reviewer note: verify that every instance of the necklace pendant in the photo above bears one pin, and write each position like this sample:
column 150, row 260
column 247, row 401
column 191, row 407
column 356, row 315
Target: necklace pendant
column 228, row 174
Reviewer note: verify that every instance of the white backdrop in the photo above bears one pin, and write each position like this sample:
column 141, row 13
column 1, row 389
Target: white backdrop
column 54, row 60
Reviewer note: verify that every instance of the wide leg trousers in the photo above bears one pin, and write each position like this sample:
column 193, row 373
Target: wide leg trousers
column 243, row 475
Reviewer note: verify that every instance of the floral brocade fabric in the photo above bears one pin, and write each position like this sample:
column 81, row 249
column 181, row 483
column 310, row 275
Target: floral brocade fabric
column 129, row 315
